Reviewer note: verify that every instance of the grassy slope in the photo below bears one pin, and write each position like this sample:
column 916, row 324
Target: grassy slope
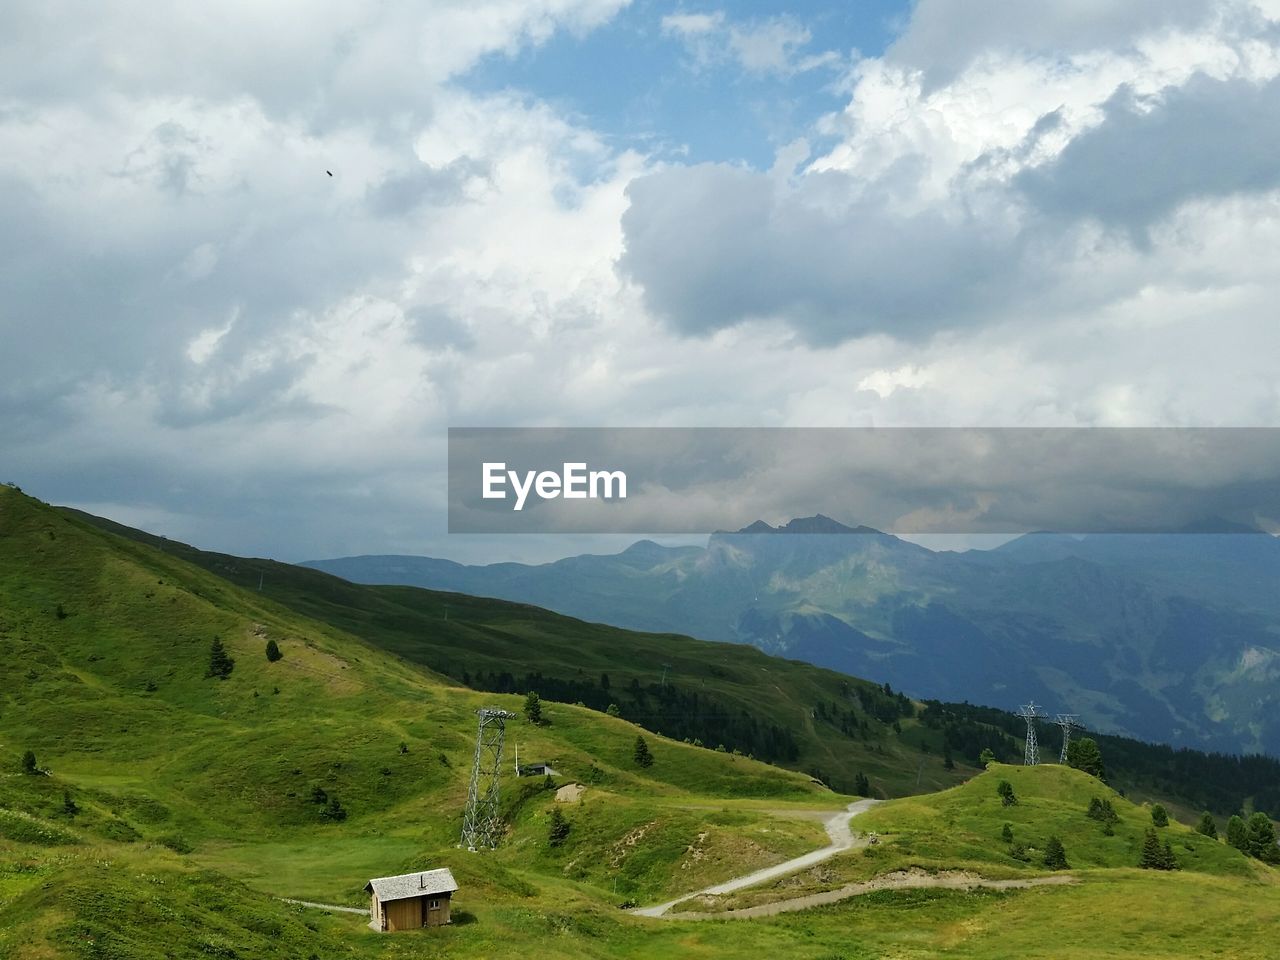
column 455, row 633
column 103, row 652
column 209, row 762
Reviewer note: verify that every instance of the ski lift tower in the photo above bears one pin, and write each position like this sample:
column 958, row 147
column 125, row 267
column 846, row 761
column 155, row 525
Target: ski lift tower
column 1068, row 722
column 1029, row 712
column 481, row 822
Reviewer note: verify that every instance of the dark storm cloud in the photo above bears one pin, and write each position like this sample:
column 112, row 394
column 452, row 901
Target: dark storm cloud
column 1209, row 138
column 714, row 245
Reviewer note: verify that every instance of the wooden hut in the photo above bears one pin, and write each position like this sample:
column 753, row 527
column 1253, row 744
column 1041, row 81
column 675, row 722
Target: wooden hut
column 411, row 901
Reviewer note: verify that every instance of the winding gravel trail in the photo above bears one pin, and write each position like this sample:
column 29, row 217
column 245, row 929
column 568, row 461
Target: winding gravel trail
column 898, row 880
column 842, row 838
column 331, row 907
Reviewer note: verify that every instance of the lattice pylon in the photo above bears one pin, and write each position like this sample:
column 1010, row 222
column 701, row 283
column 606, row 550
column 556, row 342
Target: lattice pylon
column 1029, row 712
column 1068, row 722
column 481, row 821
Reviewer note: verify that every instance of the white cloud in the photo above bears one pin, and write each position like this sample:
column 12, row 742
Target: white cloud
column 764, row 46
column 200, row 322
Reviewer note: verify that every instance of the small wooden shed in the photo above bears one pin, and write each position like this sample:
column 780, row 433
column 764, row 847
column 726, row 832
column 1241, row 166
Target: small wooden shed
column 411, row 901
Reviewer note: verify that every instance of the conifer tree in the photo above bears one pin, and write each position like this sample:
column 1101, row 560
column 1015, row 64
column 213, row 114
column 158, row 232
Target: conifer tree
column 533, row 707
column 1055, row 857
column 1159, row 815
column 861, row 785
column 1152, row 854
column 558, row 828
column 220, row 663
column 273, row 651
column 1207, row 826
column 1260, row 838
column 1006, row 834
column 1238, row 834
column 641, row 754
column 1083, row 754
column 29, row 765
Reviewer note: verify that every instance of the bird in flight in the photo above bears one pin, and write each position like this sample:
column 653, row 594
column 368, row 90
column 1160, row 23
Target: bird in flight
column 329, row 172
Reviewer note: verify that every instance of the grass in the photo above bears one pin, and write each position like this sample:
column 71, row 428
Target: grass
column 457, row 634
column 194, row 809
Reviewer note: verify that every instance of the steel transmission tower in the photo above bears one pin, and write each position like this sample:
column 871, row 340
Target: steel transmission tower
column 481, row 823
column 1067, row 721
column 1029, row 712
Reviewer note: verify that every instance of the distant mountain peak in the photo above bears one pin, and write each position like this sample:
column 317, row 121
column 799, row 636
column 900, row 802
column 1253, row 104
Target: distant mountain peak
column 818, row 523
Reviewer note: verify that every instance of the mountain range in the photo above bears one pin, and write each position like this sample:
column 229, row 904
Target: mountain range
column 1167, row 637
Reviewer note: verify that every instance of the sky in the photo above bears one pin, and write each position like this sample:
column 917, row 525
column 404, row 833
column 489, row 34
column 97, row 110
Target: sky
column 602, row 213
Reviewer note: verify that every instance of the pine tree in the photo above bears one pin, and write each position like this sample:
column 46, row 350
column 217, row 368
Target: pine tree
column 861, row 785
column 1055, row 857
column 1159, row 815
column 1207, row 826
column 220, row 664
column 986, row 757
column 642, row 756
column 558, row 828
column 1260, row 838
column 1084, row 754
column 273, row 651
column 1006, row 834
column 613, row 710
column 69, row 806
column 29, row 765
column 1152, row 853
column 1238, row 834
column 1167, row 860
column 533, row 707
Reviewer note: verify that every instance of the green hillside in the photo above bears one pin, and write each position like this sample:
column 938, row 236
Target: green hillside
column 104, row 654
column 787, row 712
column 170, row 810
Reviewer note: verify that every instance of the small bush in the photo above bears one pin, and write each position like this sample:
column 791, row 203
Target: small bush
column 273, row 651
column 175, row 843
column 1005, row 789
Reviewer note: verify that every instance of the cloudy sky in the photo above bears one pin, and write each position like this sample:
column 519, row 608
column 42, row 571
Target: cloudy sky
column 595, row 212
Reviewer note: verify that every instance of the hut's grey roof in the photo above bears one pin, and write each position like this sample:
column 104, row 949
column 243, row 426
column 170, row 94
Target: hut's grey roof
column 424, row 884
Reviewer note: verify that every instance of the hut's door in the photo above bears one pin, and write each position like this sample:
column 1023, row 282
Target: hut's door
column 404, row 914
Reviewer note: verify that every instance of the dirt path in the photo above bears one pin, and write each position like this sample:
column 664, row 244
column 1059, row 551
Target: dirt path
column 898, row 880
column 331, row 907
column 842, row 838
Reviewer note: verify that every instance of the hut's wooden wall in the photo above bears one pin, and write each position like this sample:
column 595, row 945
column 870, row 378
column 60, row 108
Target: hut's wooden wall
column 404, row 914
column 439, row 916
